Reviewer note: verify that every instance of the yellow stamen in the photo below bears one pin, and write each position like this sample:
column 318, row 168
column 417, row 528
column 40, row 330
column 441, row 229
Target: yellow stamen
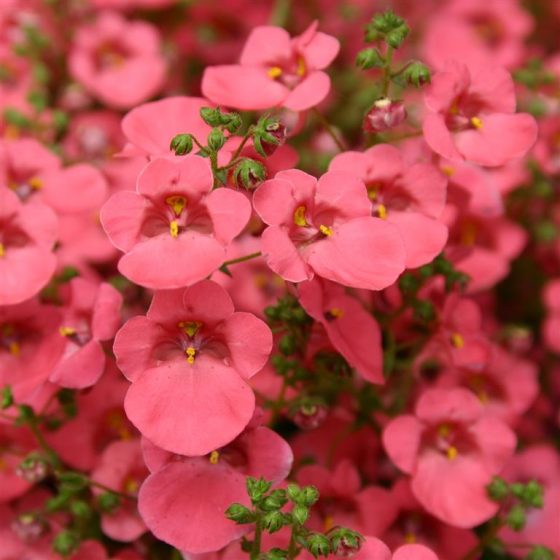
column 382, row 211
column 35, row 183
column 476, row 122
column 131, row 486
column 190, row 352
column 328, row 523
column 444, row 430
column 301, row 67
column 299, row 216
column 336, row 312
column 454, row 109
column 174, row 228
column 448, row 170
column 452, row 453
column 177, row 203
column 457, row 340
column 275, row 72
column 325, row 230
column 14, row 348
column 2, row 250
column 372, row 194
column 410, row 538
column 214, row 457
column 190, row 327
column 67, row 331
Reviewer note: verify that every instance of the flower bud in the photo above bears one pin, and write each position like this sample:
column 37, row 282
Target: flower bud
column 309, row 495
column 498, row 489
column 417, row 74
column 249, row 174
column 66, row 542
column 108, row 502
column 300, row 514
column 240, row 514
column 317, row 544
column 33, row 468
column 294, row 493
column 182, row 144
column 309, row 416
column 29, row 527
column 216, row 139
column 276, row 500
column 6, row 397
column 268, row 134
column 257, row 488
column 274, row 521
column 211, row 116
column 540, row 553
column 369, row 58
column 345, row 543
column 384, row 115
column 516, row 518
column 276, row 554
column 287, row 344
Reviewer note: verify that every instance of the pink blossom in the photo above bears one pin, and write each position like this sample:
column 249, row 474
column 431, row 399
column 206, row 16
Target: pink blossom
column 27, row 235
column 184, row 499
column 412, row 198
column 325, row 227
column 452, row 451
column 91, row 316
column 351, row 329
column 551, row 325
column 375, row 549
column 471, row 116
column 275, row 70
column 118, row 61
column 174, row 229
column 189, row 359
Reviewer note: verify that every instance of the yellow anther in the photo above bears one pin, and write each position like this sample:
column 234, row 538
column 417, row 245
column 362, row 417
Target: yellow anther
column 476, row 122
column 410, row 538
column 214, row 457
column 275, row 72
column 444, row 430
column 301, row 67
column 372, row 194
column 457, row 340
column 14, row 348
column 177, row 203
column 2, row 250
column 325, row 230
column 35, row 183
column 131, row 486
column 191, row 353
column 454, row 109
column 328, row 523
column 336, row 312
column 67, row 331
column 174, row 228
column 448, row 170
column 299, row 216
column 382, row 211
column 190, row 327
column 452, row 453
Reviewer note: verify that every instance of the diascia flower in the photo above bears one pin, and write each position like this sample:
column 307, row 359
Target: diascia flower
column 174, row 229
column 188, row 361
column 183, row 501
column 27, row 235
column 325, row 227
column 471, row 116
column 452, row 450
column 275, row 70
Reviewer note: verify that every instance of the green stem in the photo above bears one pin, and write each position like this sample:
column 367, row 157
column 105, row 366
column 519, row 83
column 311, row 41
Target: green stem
column 48, row 450
column 256, row 548
column 278, row 404
column 281, row 13
column 487, row 538
column 107, row 489
column 235, row 155
column 242, row 259
column 402, row 69
column 292, row 548
column 329, row 129
column 387, row 72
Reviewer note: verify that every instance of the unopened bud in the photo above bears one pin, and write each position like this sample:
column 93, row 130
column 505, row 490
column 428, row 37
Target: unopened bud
column 274, row 521
column 498, row 489
column 540, row 553
column 516, row 518
column 384, row 115
column 29, row 527
column 240, row 514
column 417, row 74
column 369, row 58
column 216, row 139
column 33, row 468
column 309, row 416
column 66, row 542
column 182, row 144
column 249, row 174
column 345, row 543
column 317, row 545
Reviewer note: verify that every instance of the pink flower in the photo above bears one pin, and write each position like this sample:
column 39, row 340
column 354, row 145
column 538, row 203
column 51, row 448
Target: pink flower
column 374, row 549
column 183, row 501
column 150, row 128
column 412, row 198
column 121, row 468
column 91, row 317
column 189, row 360
column 15, row 445
column 174, row 229
column 325, row 227
column 118, row 61
column 350, row 328
column 551, row 324
column 452, row 451
column 471, row 116
column 275, row 70
column 27, row 235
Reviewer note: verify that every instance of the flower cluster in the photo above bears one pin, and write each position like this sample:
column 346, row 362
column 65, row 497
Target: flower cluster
column 279, row 280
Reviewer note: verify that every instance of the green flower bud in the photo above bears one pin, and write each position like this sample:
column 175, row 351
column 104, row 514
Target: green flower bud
column 408, row 284
column 211, row 116
column 249, row 174
column 533, row 495
column 287, row 344
column 240, row 514
column 66, row 542
column 417, row 74
column 424, row 310
column 231, row 121
column 72, row 481
column 498, row 489
column 108, row 502
column 276, row 554
column 80, row 509
column 300, row 514
column 317, row 545
column 294, row 493
column 275, row 500
column 309, row 495
column 397, row 37
column 516, row 518
column 274, row 521
column 540, row 553
column 387, row 21
column 345, row 542
column 182, row 144
column 257, row 488
column 216, row 139
column 369, row 58
column 6, row 397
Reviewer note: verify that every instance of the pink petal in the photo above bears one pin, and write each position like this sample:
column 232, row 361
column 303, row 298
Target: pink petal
column 439, row 138
column 428, row 188
column 282, row 255
column 447, row 86
column 190, row 409
column 414, row 552
column 373, row 549
column 230, row 211
column 106, row 313
column 345, row 192
column 401, row 440
column 320, row 51
column 81, row 369
column 496, row 442
column 267, row 45
column 309, row 93
column 448, row 405
column 274, row 202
